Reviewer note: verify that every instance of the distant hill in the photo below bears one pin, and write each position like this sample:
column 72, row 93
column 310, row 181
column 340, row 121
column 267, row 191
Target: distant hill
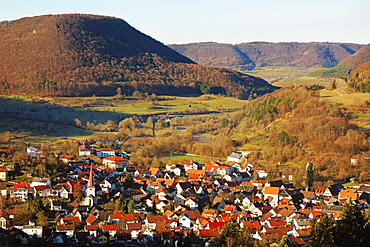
column 69, row 55
column 359, row 78
column 265, row 53
column 344, row 68
column 358, row 58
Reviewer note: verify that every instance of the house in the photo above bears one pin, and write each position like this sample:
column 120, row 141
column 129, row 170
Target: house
column 237, row 156
column 40, row 181
column 110, row 229
column 91, row 229
column 189, row 164
column 272, row 195
column 56, row 205
column 105, row 152
column 33, row 152
column 134, row 228
column 84, row 150
column 115, row 162
column 19, row 191
column 4, row 222
column 32, row 230
column 152, row 220
column 3, row 173
column 348, row 194
column 61, row 191
column 43, row 190
column 68, row 229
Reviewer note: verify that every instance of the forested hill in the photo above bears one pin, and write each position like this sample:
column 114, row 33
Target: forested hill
column 265, row 53
column 360, row 57
column 76, row 54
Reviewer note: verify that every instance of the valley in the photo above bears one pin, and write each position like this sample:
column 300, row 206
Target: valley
column 108, row 137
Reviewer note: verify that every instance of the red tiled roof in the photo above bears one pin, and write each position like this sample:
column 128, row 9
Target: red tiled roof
column 216, row 225
column 209, row 233
column 90, row 227
column 113, row 227
column 91, row 219
column 252, row 224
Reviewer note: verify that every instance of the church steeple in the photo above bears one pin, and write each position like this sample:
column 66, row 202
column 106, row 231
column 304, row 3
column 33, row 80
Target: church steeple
column 90, row 190
column 90, row 184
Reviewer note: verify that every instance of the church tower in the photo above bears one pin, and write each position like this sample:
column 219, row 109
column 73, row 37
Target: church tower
column 90, row 190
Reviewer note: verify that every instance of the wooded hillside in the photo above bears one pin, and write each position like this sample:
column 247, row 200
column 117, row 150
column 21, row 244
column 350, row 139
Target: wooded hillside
column 69, row 55
column 265, row 53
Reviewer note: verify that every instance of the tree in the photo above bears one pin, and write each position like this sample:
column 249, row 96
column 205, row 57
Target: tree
column 283, row 137
column 78, row 191
column 111, row 125
column 225, row 122
column 78, row 122
column 42, row 219
column 309, row 176
column 119, row 94
column 286, row 242
column 121, row 205
column 322, row 233
column 35, row 204
column 352, row 228
column 131, row 207
column 229, row 234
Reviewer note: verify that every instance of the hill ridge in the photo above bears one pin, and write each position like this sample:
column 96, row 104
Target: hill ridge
column 83, row 54
column 276, row 54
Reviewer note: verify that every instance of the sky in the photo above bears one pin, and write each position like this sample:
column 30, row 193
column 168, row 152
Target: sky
column 221, row 21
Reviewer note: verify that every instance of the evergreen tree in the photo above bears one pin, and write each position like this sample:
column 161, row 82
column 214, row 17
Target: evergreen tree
column 131, row 207
column 322, row 233
column 352, row 227
column 286, row 242
column 35, row 204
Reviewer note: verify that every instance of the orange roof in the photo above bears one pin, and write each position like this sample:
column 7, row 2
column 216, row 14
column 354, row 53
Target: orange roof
column 90, row 227
column 252, row 224
column 209, row 233
column 271, row 191
column 91, row 219
column 193, row 171
column 65, row 227
column 115, row 158
column 113, row 227
column 20, row 186
column 348, row 193
column 71, row 220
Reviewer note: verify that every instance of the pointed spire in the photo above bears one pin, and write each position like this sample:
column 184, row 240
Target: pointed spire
column 90, row 184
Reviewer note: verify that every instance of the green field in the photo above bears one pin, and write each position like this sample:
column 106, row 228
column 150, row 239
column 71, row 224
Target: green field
column 304, row 80
column 168, row 104
column 273, row 73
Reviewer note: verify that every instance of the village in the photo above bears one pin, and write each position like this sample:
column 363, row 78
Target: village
column 116, row 203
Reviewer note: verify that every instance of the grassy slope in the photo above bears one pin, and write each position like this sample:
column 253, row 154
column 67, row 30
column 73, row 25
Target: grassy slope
column 352, row 103
column 169, row 104
column 271, row 73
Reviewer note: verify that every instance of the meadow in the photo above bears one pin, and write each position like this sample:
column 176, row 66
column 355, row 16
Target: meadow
column 274, row 73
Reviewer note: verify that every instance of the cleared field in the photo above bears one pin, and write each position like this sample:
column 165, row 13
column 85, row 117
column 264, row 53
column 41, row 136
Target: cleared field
column 351, row 99
column 305, row 80
column 164, row 104
column 354, row 104
column 272, row 73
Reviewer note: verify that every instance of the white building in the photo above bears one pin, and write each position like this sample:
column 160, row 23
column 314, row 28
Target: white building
column 105, row 152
